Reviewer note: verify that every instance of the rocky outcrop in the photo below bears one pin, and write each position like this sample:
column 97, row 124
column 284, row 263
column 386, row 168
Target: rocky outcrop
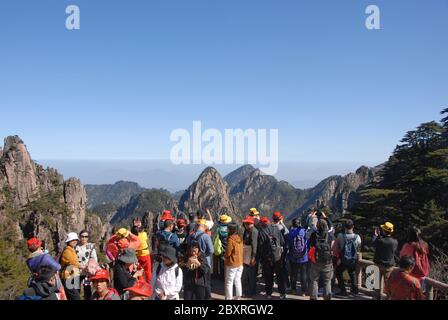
column 19, row 171
column 75, row 198
column 337, row 192
column 265, row 193
column 38, row 202
column 154, row 201
column 210, row 191
column 238, row 175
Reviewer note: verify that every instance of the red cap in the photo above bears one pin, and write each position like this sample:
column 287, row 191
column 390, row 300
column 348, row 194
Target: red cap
column 141, row 288
column 181, row 223
column 101, row 274
column 249, row 219
column 166, row 215
column 265, row 221
column 34, row 244
column 277, row 215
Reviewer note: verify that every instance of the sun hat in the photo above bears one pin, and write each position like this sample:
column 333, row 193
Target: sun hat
column 34, row 244
column 388, row 227
column 101, row 274
column 128, row 256
column 141, row 288
column 225, row 219
column 71, row 236
column 249, row 220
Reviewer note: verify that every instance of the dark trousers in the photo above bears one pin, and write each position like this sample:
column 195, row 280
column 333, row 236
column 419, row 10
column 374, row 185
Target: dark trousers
column 304, row 270
column 340, row 276
column 71, row 294
column 250, row 280
column 87, row 288
column 195, row 293
column 268, row 273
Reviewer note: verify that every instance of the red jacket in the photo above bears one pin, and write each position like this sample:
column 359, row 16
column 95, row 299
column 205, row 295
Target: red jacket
column 403, row 286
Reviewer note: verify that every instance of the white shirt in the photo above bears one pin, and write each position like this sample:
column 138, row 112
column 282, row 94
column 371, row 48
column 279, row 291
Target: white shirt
column 168, row 284
column 210, row 224
column 85, row 253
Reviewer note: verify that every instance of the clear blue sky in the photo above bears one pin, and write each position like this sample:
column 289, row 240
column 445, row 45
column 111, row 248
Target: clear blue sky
column 139, row 69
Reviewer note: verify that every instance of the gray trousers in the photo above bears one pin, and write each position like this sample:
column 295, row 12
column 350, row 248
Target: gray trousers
column 324, row 272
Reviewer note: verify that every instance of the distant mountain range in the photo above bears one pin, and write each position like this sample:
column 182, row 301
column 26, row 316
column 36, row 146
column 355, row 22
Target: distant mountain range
column 235, row 194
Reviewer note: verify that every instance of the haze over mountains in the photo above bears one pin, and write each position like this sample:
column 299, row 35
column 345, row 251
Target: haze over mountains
column 163, row 174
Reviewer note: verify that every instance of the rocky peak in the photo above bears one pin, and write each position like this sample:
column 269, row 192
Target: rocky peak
column 19, row 171
column 75, row 198
column 236, row 176
column 265, row 193
column 210, row 191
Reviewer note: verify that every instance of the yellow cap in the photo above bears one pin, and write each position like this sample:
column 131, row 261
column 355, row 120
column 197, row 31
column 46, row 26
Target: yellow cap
column 388, row 227
column 123, row 232
column 202, row 222
column 225, row 219
column 254, row 212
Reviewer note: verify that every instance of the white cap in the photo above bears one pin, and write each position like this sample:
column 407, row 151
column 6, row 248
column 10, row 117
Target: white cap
column 71, row 236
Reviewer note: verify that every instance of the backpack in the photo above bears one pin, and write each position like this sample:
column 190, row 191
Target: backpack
column 323, row 250
column 159, row 268
column 350, row 251
column 162, row 240
column 194, row 241
column 276, row 248
column 299, row 245
column 218, row 248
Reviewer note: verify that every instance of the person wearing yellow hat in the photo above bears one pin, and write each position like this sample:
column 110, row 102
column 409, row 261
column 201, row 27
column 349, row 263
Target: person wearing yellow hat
column 385, row 249
column 201, row 239
column 112, row 247
column 220, row 245
column 254, row 213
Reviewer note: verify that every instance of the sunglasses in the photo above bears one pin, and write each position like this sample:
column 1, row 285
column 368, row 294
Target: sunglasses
column 84, row 236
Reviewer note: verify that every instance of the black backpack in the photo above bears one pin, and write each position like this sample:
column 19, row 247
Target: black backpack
column 323, row 250
column 193, row 241
column 275, row 248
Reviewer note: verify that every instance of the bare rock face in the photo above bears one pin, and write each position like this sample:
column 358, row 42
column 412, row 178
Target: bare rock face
column 75, row 199
column 338, row 192
column 38, row 202
column 210, row 191
column 265, row 193
column 19, row 171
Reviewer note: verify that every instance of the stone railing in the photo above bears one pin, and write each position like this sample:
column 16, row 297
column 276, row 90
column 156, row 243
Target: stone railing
column 374, row 281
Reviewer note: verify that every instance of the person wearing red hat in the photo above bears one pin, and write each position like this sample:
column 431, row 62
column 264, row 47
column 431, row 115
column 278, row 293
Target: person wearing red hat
column 181, row 230
column 277, row 219
column 250, row 249
column 140, row 291
column 39, row 258
column 101, row 285
column 271, row 252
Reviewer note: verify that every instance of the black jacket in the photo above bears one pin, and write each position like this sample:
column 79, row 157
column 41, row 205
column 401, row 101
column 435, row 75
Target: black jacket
column 123, row 279
column 41, row 289
column 264, row 242
column 385, row 251
column 195, row 278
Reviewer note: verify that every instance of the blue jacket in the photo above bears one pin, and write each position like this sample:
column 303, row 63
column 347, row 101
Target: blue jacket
column 38, row 259
column 171, row 237
column 293, row 233
column 205, row 244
